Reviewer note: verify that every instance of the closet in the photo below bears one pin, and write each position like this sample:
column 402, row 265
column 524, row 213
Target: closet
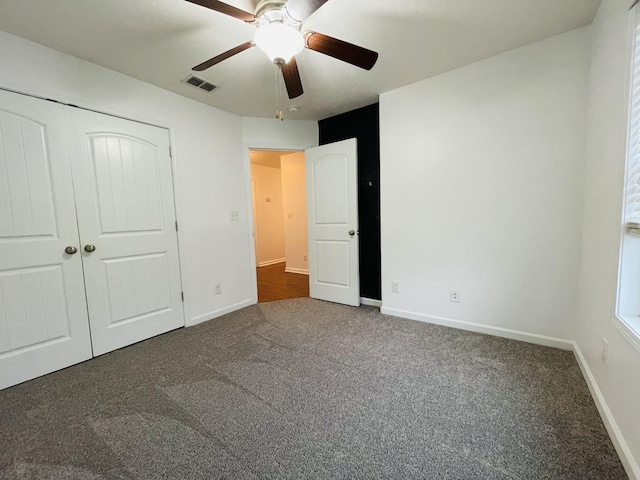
column 88, row 245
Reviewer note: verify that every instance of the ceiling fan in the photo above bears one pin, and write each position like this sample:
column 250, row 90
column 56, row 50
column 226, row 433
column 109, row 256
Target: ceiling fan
column 279, row 36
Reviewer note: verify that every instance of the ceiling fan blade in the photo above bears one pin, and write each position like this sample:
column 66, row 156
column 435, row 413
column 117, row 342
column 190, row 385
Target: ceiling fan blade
column 226, row 9
column 300, row 10
column 292, row 79
column 347, row 52
column 223, row 56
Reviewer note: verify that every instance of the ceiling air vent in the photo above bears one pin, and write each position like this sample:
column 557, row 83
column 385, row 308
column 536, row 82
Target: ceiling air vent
column 199, row 83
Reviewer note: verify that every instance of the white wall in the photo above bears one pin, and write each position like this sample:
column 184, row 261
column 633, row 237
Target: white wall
column 481, row 186
column 208, row 158
column 294, row 202
column 270, row 244
column 271, row 133
column 619, row 382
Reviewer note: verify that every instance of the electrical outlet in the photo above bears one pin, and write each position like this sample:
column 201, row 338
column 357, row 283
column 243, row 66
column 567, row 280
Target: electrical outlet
column 234, row 215
column 290, row 215
column 395, row 286
column 604, row 351
column 304, row 257
column 454, row 296
column 218, row 288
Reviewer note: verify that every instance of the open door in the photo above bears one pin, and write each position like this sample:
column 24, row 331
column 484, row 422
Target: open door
column 332, row 205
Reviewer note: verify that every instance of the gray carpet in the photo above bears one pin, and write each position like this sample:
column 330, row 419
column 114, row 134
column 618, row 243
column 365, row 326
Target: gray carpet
column 308, row 389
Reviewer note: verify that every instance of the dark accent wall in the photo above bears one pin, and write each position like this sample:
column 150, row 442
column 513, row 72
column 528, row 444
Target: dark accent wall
column 364, row 125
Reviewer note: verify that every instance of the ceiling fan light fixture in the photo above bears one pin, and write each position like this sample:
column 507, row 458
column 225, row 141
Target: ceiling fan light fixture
column 279, row 41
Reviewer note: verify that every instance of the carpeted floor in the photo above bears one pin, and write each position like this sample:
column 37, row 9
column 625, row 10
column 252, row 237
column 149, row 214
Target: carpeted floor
column 308, row 389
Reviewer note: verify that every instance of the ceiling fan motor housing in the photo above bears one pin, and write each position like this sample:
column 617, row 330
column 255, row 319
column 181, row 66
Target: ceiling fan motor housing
column 271, row 11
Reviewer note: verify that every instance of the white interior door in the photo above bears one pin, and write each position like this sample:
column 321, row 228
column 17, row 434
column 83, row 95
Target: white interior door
column 332, row 204
column 43, row 314
column 124, row 195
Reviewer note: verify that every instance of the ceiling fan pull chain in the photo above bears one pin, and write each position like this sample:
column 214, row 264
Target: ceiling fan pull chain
column 275, row 83
column 279, row 114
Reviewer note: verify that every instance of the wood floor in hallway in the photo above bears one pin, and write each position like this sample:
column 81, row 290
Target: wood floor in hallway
column 276, row 284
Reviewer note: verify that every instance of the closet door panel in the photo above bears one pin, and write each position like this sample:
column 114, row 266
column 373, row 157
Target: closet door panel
column 43, row 315
column 124, row 190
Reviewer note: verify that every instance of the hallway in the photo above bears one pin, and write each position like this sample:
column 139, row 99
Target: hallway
column 276, row 284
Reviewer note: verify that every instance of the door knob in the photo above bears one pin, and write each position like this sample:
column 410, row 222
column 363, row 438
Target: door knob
column 352, row 232
column 70, row 250
column 89, row 248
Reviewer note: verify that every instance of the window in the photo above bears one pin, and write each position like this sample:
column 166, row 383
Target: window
column 627, row 318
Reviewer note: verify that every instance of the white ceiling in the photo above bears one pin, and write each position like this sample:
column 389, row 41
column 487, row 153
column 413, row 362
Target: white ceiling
column 267, row 158
column 158, row 41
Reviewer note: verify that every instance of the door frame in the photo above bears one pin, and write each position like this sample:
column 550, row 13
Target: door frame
column 280, row 146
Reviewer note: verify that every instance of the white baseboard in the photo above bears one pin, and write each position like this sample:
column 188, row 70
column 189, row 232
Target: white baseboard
column 624, row 452
column 480, row 328
column 301, row 271
column 370, row 302
column 272, row 262
column 219, row 312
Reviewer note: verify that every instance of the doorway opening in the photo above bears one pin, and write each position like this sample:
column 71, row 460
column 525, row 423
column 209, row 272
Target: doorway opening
column 279, row 198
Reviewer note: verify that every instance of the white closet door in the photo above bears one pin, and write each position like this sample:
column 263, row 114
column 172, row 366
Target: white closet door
column 124, row 198
column 43, row 314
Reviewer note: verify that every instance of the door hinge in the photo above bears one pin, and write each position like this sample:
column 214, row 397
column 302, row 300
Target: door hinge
column 176, row 225
column 182, row 295
column 170, row 152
